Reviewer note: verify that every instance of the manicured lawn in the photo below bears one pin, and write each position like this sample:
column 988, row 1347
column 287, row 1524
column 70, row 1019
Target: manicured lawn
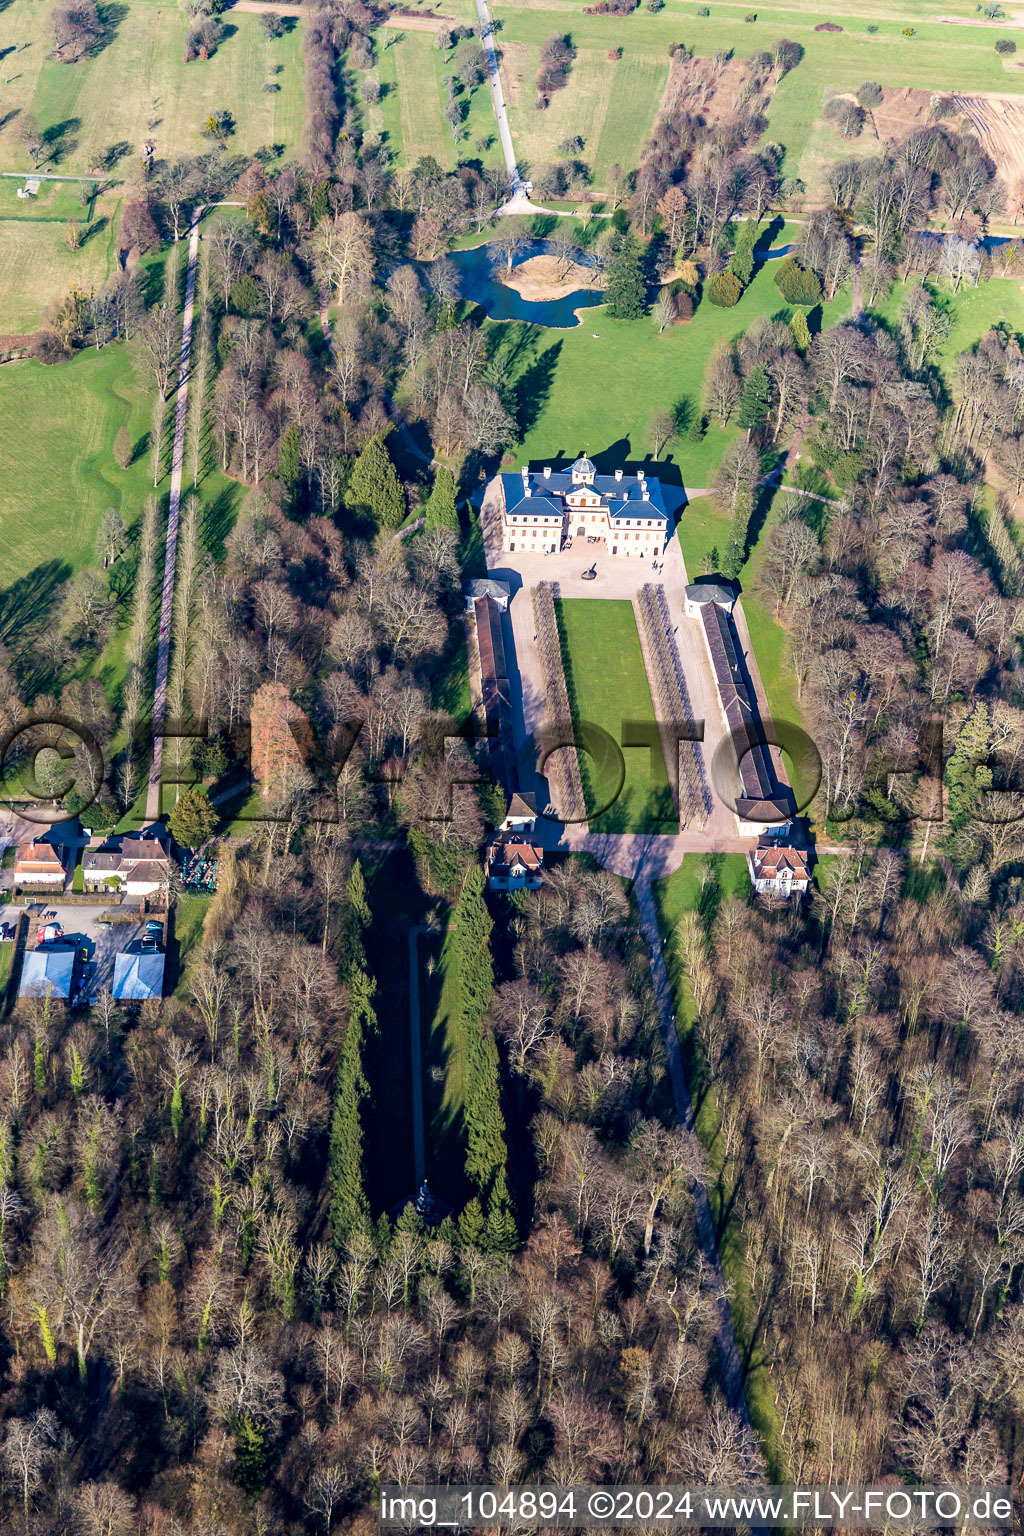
column 55, row 200
column 607, row 686
column 596, row 387
column 701, row 882
column 138, row 85
column 189, row 915
column 412, row 103
column 36, row 266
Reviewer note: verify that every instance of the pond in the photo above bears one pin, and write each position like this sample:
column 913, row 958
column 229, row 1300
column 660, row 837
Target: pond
column 478, row 283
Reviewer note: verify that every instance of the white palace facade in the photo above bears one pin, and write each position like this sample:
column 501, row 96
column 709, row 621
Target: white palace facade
column 542, row 512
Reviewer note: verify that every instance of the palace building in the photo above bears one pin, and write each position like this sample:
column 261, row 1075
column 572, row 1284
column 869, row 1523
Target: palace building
column 543, row 511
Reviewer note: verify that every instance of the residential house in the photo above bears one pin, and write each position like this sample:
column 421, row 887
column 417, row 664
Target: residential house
column 778, row 868
column 40, row 864
column 141, row 866
column 625, row 512
column 514, row 866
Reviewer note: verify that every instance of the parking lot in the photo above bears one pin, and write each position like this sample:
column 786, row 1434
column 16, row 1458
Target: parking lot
column 82, row 928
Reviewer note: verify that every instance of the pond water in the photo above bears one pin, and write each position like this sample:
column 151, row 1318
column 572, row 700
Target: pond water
column 478, row 283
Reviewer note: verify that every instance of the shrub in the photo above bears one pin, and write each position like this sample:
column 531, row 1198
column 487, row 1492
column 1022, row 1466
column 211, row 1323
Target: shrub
column 702, row 10
column 724, row 290
column 872, row 28
column 797, row 284
column 870, row 94
column 123, row 451
column 684, row 309
column 847, row 116
column 942, row 105
column 654, row 6
column 1006, row 45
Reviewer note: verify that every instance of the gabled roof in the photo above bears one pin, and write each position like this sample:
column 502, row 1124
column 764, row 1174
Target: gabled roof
column 149, row 870
column 139, row 975
column 506, row 855
column 39, row 856
column 522, row 803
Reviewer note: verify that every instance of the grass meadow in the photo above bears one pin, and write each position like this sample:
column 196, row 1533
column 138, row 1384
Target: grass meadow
column 137, row 86
column 613, row 105
column 608, row 684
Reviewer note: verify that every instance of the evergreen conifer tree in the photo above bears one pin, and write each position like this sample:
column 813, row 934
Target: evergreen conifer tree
column 374, row 489
column 742, row 262
column 471, row 1225
column 349, row 1207
column 440, row 511
column 800, row 331
column 756, row 399
column 626, row 292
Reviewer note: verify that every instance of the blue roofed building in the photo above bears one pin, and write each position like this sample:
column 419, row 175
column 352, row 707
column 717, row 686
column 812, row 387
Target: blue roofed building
column 47, row 972
column 544, row 509
column 139, row 974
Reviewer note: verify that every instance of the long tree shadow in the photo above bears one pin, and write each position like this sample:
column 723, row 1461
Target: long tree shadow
column 28, row 603
column 532, row 389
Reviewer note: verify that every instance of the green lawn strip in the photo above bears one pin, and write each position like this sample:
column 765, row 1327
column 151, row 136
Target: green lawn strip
column 608, row 685
column 56, row 200
column 6, row 964
column 725, row 875
column 190, row 911
column 411, row 70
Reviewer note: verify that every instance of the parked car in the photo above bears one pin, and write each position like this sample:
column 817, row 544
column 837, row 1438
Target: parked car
column 50, row 934
column 154, row 927
column 7, row 932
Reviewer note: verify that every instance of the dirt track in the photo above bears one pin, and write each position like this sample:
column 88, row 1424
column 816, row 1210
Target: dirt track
column 256, row 8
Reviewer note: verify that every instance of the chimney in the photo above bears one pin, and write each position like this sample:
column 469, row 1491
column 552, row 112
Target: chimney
column 618, row 474
column 527, row 491
column 547, row 472
column 647, row 494
column 640, row 476
column 526, row 473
